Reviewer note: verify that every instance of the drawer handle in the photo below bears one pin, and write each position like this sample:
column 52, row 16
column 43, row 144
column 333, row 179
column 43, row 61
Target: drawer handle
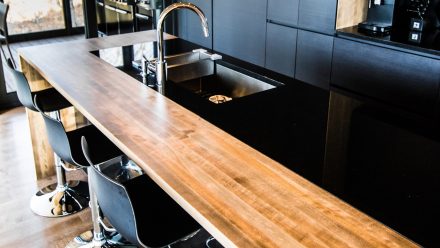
column 140, row 16
column 120, row 11
column 110, row 8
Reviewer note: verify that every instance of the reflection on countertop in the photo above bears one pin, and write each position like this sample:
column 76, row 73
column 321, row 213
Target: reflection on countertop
column 382, row 161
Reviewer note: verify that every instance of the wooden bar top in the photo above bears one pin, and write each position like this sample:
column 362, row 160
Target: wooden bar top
column 242, row 197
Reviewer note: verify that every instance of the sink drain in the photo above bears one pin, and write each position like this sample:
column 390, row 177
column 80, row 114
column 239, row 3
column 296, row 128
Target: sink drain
column 219, row 99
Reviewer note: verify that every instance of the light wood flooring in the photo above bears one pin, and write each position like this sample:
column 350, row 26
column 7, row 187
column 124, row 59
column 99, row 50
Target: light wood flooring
column 14, row 46
column 19, row 227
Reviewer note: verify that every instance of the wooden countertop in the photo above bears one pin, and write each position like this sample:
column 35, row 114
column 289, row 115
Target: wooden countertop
column 242, row 197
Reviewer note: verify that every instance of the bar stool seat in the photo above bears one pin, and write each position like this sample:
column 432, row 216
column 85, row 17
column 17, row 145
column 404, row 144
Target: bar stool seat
column 51, row 100
column 65, row 198
column 137, row 208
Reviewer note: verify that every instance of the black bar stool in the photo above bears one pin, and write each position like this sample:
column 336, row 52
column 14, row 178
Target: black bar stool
column 65, row 198
column 137, row 208
column 43, row 202
column 4, row 8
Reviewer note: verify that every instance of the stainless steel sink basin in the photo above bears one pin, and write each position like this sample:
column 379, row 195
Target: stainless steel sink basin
column 208, row 78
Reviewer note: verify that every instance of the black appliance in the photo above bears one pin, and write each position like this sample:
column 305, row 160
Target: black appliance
column 379, row 17
column 418, row 21
column 119, row 17
column 100, row 17
column 144, row 17
column 126, row 16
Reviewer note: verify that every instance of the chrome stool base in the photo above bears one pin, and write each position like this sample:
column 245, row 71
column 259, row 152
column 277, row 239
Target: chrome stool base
column 85, row 240
column 58, row 201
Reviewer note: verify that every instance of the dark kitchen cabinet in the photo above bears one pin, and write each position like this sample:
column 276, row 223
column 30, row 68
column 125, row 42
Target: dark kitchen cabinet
column 281, row 49
column 283, row 11
column 318, row 15
column 195, row 31
column 181, row 23
column 314, row 58
column 240, row 29
column 402, row 79
column 189, row 26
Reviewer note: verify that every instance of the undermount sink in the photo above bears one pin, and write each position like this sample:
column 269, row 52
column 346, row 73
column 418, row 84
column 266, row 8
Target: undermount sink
column 214, row 79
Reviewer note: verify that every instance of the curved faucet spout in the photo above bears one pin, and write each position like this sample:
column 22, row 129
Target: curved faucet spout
column 161, row 64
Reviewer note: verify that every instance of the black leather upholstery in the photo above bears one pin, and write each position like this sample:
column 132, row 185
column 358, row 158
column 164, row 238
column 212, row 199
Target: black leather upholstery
column 23, row 90
column 140, row 210
column 67, row 145
column 4, row 8
column 50, row 99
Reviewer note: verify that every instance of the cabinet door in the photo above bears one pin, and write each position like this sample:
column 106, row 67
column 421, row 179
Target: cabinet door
column 181, row 22
column 283, row 11
column 195, row 31
column 240, row 29
column 314, row 58
column 395, row 77
column 189, row 26
column 281, row 49
column 319, row 15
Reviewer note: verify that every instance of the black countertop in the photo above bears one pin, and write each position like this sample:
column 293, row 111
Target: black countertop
column 429, row 47
column 388, row 168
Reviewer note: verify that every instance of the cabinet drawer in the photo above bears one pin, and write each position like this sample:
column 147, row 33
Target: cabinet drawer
column 281, row 49
column 283, row 11
column 406, row 80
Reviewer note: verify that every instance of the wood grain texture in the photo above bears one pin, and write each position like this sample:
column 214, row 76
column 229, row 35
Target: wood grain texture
column 239, row 195
column 351, row 13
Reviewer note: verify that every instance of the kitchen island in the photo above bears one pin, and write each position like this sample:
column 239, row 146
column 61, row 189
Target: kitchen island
column 242, row 197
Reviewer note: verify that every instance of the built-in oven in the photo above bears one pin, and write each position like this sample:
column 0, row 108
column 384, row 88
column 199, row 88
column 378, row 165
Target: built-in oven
column 111, row 17
column 119, row 17
column 144, row 18
column 125, row 17
column 100, row 17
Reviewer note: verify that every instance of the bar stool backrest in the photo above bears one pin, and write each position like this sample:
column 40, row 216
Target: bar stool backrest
column 56, row 135
column 23, row 89
column 138, row 208
column 4, row 8
column 113, row 200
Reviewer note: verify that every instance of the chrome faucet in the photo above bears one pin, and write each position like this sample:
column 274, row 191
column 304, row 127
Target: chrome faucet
column 161, row 74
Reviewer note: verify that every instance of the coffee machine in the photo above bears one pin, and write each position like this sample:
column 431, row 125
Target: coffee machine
column 379, row 17
column 418, row 21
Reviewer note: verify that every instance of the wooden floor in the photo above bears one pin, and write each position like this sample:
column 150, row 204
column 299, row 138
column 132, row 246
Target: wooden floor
column 14, row 46
column 19, row 227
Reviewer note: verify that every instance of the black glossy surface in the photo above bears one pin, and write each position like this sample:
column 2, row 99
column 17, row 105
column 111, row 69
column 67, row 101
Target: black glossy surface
column 430, row 44
column 406, row 80
column 391, row 168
